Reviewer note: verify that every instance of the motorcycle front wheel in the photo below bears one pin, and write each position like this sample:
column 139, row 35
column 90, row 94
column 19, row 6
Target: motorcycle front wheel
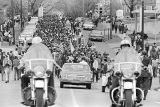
column 39, row 98
column 128, row 98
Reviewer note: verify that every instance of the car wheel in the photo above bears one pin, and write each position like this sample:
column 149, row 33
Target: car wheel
column 61, row 84
column 88, row 86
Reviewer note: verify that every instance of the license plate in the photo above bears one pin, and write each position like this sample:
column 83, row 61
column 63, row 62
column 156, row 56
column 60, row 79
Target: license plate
column 39, row 84
column 128, row 85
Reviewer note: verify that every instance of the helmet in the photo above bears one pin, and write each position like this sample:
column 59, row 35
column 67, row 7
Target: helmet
column 36, row 40
column 125, row 42
column 144, row 53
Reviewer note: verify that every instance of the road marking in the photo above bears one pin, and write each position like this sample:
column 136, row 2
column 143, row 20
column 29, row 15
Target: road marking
column 74, row 99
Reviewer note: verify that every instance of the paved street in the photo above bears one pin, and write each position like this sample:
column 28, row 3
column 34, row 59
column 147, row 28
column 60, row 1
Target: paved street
column 76, row 96
column 70, row 96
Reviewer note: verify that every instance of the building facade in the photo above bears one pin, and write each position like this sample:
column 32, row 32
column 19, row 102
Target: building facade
column 151, row 5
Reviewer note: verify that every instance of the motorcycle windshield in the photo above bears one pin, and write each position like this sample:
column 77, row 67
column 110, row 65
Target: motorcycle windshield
column 127, row 58
column 38, row 51
column 127, row 55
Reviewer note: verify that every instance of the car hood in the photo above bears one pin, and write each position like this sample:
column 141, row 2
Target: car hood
column 88, row 25
column 96, row 35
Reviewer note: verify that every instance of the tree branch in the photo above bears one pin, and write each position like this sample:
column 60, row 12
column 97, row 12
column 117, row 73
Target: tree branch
column 127, row 4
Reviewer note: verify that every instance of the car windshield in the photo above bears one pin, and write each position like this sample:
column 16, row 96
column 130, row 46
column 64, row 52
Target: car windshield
column 96, row 32
column 76, row 68
column 87, row 22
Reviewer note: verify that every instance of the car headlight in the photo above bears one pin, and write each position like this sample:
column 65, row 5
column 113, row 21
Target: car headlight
column 39, row 71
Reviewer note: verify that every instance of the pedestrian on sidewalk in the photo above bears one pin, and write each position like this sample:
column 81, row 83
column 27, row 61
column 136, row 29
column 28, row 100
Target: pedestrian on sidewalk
column 147, row 46
column 151, row 72
column 133, row 38
column 7, row 63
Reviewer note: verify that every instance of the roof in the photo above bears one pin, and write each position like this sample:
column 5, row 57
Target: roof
column 147, row 11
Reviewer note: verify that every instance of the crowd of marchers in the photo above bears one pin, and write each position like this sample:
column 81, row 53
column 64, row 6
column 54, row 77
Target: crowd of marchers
column 63, row 37
column 74, row 47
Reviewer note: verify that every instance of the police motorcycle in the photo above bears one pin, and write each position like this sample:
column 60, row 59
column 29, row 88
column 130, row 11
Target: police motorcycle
column 38, row 93
column 125, row 95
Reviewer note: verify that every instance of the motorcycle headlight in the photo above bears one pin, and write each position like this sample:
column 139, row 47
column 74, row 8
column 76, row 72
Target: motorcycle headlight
column 127, row 73
column 39, row 71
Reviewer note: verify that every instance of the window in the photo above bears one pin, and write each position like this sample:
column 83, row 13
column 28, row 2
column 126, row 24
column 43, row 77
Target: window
column 153, row 7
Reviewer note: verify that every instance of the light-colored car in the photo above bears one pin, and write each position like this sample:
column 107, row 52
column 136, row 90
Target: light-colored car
column 88, row 25
column 76, row 74
column 96, row 35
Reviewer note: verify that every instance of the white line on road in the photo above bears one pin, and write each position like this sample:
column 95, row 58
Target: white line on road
column 74, row 99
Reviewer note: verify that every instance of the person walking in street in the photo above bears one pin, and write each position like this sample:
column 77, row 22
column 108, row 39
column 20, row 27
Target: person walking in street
column 95, row 69
column 144, row 80
column 154, row 57
column 16, row 63
column 1, row 62
column 99, row 60
column 7, row 64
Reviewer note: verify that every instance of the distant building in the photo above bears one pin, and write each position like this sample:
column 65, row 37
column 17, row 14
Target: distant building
column 149, row 5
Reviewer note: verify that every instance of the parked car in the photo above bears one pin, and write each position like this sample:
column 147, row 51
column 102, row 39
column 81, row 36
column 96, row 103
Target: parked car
column 96, row 35
column 76, row 74
column 88, row 25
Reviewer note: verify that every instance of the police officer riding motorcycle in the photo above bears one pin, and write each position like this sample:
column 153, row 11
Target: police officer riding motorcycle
column 37, row 83
column 127, row 68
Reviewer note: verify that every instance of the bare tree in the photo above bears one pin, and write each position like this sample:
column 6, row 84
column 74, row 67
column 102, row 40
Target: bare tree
column 131, row 5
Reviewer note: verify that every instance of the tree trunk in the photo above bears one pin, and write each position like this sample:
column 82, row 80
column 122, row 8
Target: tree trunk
column 131, row 14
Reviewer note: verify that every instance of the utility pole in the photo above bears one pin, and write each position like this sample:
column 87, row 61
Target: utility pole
column 12, row 6
column 111, row 19
column 142, row 24
column 21, row 15
column 83, row 8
